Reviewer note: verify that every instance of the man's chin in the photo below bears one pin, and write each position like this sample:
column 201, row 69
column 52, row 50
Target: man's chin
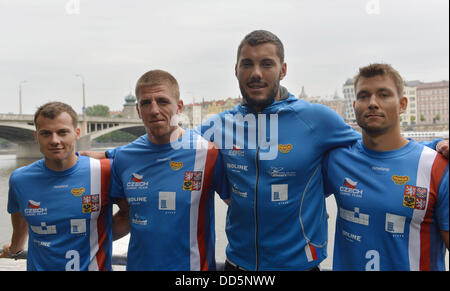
column 374, row 130
column 259, row 101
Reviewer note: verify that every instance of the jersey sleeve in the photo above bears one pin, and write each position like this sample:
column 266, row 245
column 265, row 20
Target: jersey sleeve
column 431, row 144
column 116, row 190
column 220, row 183
column 327, row 186
column 330, row 129
column 13, row 204
column 442, row 208
column 110, row 153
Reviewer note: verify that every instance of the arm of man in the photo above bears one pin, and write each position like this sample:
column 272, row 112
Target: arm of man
column 19, row 236
column 444, row 234
column 442, row 148
column 439, row 145
column 108, row 154
column 121, row 220
column 220, row 181
column 93, row 154
column 442, row 209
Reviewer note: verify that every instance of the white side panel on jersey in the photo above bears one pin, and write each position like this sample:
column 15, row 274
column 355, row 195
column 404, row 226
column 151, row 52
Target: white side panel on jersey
column 423, row 180
column 200, row 160
column 93, row 235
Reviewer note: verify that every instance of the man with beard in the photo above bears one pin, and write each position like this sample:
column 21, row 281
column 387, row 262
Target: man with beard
column 272, row 145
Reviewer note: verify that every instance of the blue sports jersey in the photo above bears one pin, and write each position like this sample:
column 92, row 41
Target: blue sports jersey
column 391, row 207
column 171, row 197
column 68, row 214
column 277, row 218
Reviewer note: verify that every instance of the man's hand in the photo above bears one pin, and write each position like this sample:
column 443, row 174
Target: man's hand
column 442, row 148
column 5, row 251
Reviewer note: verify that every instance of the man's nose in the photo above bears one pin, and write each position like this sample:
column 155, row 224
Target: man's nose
column 154, row 108
column 54, row 139
column 373, row 101
column 256, row 73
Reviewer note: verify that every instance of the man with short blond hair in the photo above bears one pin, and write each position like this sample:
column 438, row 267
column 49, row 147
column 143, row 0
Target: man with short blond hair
column 170, row 192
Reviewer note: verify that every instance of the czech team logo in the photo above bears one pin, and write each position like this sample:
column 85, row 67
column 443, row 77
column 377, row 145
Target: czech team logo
column 34, row 208
column 137, row 182
column 136, row 178
column 349, row 188
column 415, row 197
column 33, row 204
column 349, row 183
column 192, row 181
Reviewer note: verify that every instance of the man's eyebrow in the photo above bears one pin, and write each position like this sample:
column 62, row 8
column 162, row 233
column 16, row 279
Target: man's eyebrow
column 383, row 89
column 361, row 92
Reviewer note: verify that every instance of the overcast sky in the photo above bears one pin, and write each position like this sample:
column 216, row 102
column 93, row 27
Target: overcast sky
column 111, row 43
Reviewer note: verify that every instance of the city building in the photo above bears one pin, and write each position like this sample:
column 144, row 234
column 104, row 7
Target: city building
column 349, row 96
column 129, row 108
column 409, row 117
column 196, row 113
column 433, row 103
column 336, row 103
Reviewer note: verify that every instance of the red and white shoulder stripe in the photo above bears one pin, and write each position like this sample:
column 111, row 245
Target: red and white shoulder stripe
column 100, row 176
column 429, row 174
column 205, row 160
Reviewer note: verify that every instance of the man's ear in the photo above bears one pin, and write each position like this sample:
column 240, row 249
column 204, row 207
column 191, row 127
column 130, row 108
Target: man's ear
column 283, row 71
column 403, row 104
column 138, row 111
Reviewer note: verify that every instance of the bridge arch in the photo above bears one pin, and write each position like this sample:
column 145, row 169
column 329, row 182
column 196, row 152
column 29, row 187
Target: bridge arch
column 134, row 129
column 17, row 132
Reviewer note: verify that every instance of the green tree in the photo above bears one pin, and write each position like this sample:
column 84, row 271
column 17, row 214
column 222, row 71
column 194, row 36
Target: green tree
column 98, row 110
column 422, row 117
column 116, row 136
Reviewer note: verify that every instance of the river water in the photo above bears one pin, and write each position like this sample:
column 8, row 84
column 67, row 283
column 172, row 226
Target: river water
column 8, row 163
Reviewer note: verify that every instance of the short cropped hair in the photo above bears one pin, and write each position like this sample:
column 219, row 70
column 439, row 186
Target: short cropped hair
column 157, row 78
column 373, row 70
column 259, row 37
column 52, row 109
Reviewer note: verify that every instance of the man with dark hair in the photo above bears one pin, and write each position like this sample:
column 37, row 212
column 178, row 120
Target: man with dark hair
column 392, row 193
column 276, row 217
column 61, row 201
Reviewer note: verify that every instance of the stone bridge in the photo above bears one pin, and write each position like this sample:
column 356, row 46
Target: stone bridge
column 19, row 129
